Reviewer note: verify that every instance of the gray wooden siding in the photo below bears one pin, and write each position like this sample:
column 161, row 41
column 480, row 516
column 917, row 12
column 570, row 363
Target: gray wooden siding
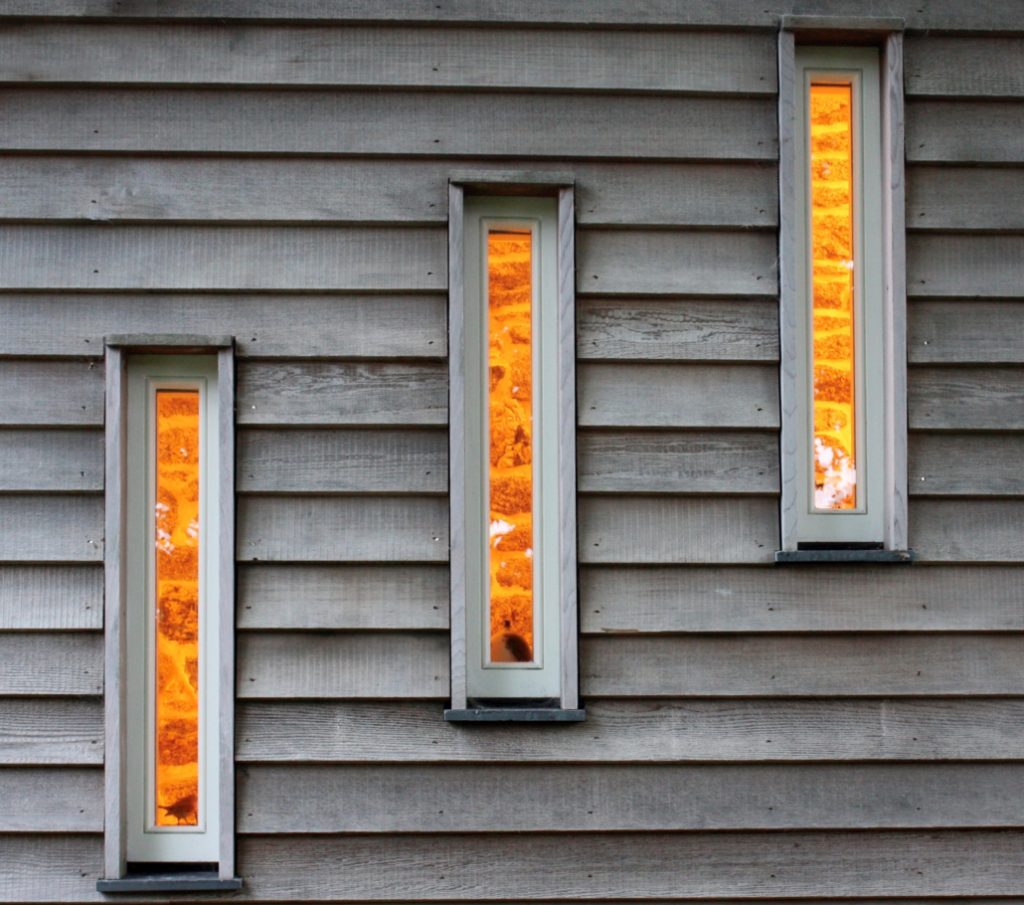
column 277, row 171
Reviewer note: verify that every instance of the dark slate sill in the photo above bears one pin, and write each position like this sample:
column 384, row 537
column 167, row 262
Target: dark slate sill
column 194, row 881
column 843, row 556
column 515, row 715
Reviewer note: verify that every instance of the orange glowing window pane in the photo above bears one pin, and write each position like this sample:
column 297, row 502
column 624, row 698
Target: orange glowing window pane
column 510, row 419
column 176, row 526
column 832, row 254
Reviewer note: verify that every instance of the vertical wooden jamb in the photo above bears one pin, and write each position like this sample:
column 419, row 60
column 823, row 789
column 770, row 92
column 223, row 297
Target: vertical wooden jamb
column 568, row 637
column 456, row 446
column 114, row 862
column 226, row 608
column 789, row 255
column 895, row 294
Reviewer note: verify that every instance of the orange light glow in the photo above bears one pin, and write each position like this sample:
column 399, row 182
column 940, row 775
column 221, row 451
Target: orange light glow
column 177, row 607
column 832, row 253
column 510, row 411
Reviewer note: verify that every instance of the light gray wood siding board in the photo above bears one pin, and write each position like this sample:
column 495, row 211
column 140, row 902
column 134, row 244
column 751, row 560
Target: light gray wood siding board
column 578, row 798
column 51, row 460
column 51, row 597
column 965, row 265
column 963, row 399
column 51, row 800
column 264, row 325
column 965, row 132
column 342, row 597
column 51, row 731
column 372, row 57
column 825, row 598
column 964, row 198
column 797, row 665
column 347, row 393
column 686, row 395
column 354, row 665
column 656, row 330
column 39, row 663
column 42, row 529
column 960, row 531
column 342, row 461
column 973, row 332
column 678, row 530
column 224, row 257
column 989, row 67
column 51, row 393
column 644, row 731
column 342, row 529
column 406, row 123
column 620, row 262
column 705, row 461
column 966, row 465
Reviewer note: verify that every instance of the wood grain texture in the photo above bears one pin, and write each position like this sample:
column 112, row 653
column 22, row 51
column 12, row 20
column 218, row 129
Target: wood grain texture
column 643, row 731
column 343, row 529
column 704, row 461
column 940, row 131
column 362, row 56
column 51, row 731
column 51, row 597
column 975, row 332
column 338, row 665
column 342, row 461
column 51, row 800
column 335, row 393
column 264, row 325
column 966, row 464
column 42, row 529
column 964, row 198
column 822, row 598
column 989, row 398
column 53, row 393
column 681, row 330
column 965, row 266
column 226, row 257
column 678, row 530
column 577, row 798
column 51, row 460
column 967, row 531
column 682, row 395
column 406, row 123
column 989, row 67
column 802, row 666
column 40, row 664
column 617, row 262
column 342, row 597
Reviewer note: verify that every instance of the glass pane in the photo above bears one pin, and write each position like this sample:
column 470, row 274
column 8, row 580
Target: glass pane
column 177, row 607
column 832, row 252
column 510, row 419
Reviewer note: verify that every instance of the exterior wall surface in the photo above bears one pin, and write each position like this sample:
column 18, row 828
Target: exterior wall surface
column 277, row 170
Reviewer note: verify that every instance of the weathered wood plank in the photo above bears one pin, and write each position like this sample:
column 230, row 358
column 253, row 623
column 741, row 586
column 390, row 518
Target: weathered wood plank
column 51, row 393
column 825, row 598
column 966, row 464
column 340, row 461
column 677, row 462
column 51, row 664
column 332, row 393
column 965, row 332
column 575, row 798
column 967, row 530
column 989, row 67
column 51, row 731
column 617, row 262
column 678, row 530
column 965, row 132
column 292, row 326
column 224, row 257
column 408, row 123
column 342, row 597
column 45, row 597
column 51, row 800
column 51, row 528
column 373, row 57
column 644, row 731
column 51, row 460
column 333, row 665
column 966, row 265
column 682, row 395
column 677, row 330
column 796, row 665
column 964, row 198
column 966, row 398
column 345, row 529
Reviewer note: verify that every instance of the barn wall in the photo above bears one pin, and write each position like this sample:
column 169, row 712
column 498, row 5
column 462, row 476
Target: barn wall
column 278, row 172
